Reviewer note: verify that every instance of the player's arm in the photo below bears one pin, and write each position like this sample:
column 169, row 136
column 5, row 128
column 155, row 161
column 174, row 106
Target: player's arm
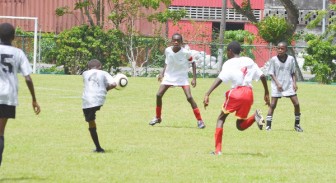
column 214, row 85
column 193, row 82
column 30, row 85
column 110, row 86
column 266, row 92
column 162, row 73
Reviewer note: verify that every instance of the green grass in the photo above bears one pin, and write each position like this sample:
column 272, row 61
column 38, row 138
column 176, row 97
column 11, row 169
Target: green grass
column 56, row 147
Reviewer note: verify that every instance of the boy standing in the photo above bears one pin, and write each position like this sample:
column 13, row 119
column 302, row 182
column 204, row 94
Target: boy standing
column 175, row 73
column 282, row 71
column 12, row 61
column 96, row 84
column 240, row 71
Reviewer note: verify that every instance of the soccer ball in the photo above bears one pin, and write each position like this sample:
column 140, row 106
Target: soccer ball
column 121, row 81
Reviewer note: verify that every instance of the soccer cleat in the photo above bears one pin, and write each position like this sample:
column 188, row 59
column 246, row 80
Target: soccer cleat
column 200, row 124
column 216, row 153
column 298, row 128
column 259, row 119
column 154, row 121
column 268, row 128
column 101, row 150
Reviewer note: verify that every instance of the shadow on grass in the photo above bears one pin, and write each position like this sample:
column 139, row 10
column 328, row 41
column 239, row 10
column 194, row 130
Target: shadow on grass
column 257, row 154
column 20, row 179
column 167, row 126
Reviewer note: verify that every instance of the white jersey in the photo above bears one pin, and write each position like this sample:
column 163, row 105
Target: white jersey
column 283, row 72
column 12, row 62
column 240, row 71
column 95, row 83
column 177, row 68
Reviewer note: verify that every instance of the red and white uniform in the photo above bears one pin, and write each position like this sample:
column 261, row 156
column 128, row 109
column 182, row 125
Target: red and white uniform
column 176, row 73
column 240, row 71
column 12, row 62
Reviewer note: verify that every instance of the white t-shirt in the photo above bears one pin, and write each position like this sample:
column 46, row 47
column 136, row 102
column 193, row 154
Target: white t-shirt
column 240, row 71
column 177, row 68
column 95, row 83
column 12, row 62
column 283, row 72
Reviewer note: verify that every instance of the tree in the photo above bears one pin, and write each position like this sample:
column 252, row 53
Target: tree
column 292, row 21
column 125, row 13
column 321, row 50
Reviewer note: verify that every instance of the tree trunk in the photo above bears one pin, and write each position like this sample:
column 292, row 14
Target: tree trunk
column 247, row 11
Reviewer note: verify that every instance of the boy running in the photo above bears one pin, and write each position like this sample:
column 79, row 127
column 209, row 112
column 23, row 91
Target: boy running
column 240, row 71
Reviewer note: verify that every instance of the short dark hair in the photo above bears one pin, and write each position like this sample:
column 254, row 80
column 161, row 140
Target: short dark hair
column 7, row 32
column 283, row 43
column 177, row 34
column 235, row 47
column 94, row 63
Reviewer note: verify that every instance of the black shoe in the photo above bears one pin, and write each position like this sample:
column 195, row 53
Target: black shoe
column 100, row 150
column 298, row 128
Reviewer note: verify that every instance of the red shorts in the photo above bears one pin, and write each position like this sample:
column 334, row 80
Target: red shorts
column 238, row 100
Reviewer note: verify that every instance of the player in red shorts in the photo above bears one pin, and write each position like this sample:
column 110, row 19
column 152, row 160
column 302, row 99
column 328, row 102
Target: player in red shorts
column 239, row 71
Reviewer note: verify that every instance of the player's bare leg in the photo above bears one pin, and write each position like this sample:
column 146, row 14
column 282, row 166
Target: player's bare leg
column 94, row 136
column 197, row 113
column 297, row 113
column 3, row 122
column 157, row 119
column 219, row 133
column 269, row 117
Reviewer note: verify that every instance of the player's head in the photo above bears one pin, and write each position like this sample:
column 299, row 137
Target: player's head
column 177, row 40
column 233, row 49
column 282, row 48
column 94, row 64
column 7, row 33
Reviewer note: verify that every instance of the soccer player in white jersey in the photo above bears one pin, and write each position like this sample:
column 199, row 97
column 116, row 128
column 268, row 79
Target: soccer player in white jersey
column 175, row 73
column 96, row 84
column 12, row 62
column 282, row 72
column 239, row 71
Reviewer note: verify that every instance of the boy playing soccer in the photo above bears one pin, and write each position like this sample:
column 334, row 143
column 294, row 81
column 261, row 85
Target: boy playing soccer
column 282, row 71
column 240, row 71
column 12, row 61
column 96, row 84
column 175, row 73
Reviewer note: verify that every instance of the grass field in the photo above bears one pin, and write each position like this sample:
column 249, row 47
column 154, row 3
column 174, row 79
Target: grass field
column 56, row 147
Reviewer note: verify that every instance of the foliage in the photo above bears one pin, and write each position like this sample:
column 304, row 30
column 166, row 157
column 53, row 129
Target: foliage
column 162, row 17
column 273, row 29
column 244, row 37
column 321, row 49
column 75, row 47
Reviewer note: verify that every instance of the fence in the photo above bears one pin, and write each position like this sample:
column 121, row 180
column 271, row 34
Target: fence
column 150, row 59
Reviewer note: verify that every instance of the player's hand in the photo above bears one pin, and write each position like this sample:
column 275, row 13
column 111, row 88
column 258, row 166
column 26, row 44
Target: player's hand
column 160, row 76
column 295, row 87
column 279, row 88
column 36, row 108
column 193, row 83
column 206, row 101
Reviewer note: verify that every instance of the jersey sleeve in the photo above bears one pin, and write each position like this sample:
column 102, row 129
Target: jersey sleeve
column 292, row 68
column 257, row 72
column 189, row 56
column 109, row 79
column 224, row 74
column 24, row 65
column 271, row 67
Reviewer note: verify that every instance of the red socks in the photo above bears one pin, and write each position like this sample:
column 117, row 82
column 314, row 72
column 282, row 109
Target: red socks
column 197, row 114
column 247, row 123
column 158, row 112
column 218, row 139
